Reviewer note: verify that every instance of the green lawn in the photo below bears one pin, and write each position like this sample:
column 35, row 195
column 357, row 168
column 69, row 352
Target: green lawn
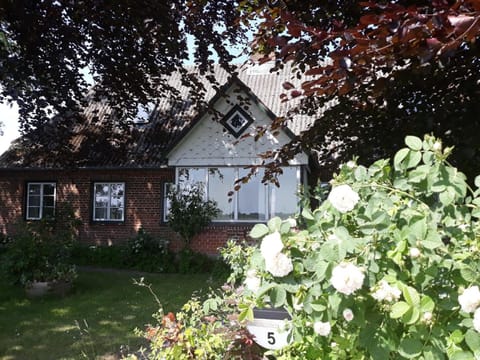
column 94, row 321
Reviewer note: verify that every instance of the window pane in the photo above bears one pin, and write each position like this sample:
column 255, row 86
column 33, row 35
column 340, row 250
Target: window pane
column 188, row 177
column 34, row 189
column 220, row 182
column 100, row 214
column 48, row 189
column 116, row 214
column 283, row 199
column 33, row 213
column 252, row 198
column 48, row 201
column 34, row 200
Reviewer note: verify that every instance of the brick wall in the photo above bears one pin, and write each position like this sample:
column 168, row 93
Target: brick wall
column 143, row 208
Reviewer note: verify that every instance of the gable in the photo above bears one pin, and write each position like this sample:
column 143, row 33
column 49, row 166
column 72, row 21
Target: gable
column 213, row 142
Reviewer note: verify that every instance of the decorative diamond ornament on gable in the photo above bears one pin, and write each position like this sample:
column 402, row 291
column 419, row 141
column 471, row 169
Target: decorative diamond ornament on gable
column 236, row 121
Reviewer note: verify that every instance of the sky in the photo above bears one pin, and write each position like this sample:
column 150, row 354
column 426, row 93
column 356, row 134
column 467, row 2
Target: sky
column 9, row 118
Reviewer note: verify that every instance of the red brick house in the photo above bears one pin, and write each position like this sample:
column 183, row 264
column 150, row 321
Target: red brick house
column 117, row 192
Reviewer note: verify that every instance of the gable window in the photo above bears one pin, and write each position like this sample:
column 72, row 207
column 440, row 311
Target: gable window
column 236, row 121
column 254, row 201
column 40, row 200
column 109, row 201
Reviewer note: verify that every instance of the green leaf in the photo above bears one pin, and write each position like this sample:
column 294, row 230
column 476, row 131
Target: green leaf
column 472, row 338
column 307, row 214
column 448, row 196
column 461, row 355
column 278, row 296
column 427, row 304
column 246, row 312
column 259, row 231
column 411, row 316
column 432, row 241
column 399, row 157
column 456, row 337
column 399, row 309
column 274, row 224
column 477, row 181
column 411, row 295
column 410, row 348
column 413, row 159
column 317, row 306
column 468, row 274
column 413, row 142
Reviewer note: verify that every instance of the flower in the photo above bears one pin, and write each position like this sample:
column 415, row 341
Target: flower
column 271, row 245
column 414, row 252
column 292, row 222
column 476, row 320
column 280, row 265
column 470, row 299
column 347, row 278
column 437, row 146
column 252, row 281
column 348, row 314
column 427, row 316
column 322, row 328
column 386, row 292
column 343, row 198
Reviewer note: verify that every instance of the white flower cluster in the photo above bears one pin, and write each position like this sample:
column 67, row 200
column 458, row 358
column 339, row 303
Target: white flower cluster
column 386, row 292
column 470, row 302
column 322, row 328
column 252, row 281
column 277, row 263
column 347, row 278
column 343, row 198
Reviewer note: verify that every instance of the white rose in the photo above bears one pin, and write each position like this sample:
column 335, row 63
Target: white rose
column 343, row 198
column 280, row 265
column 385, row 292
column 476, row 320
column 252, row 281
column 470, row 299
column 271, row 245
column 347, row 278
column 322, row 328
column 348, row 314
column 414, row 252
column 292, row 222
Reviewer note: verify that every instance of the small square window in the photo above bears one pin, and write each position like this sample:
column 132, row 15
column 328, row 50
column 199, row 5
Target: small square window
column 236, row 121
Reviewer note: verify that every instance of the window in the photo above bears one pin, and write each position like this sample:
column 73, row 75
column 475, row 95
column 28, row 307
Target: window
column 236, row 121
column 40, row 200
column 254, row 201
column 109, row 202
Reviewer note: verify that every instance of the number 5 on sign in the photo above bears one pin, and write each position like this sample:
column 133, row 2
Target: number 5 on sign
column 267, row 328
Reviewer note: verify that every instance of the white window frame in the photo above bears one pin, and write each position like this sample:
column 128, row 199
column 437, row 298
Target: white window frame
column 109, row 184
column 42, row 185
column 268, row 192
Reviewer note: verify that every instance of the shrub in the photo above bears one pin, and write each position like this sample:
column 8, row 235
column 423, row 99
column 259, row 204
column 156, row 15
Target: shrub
column 41, row 250
column 189, row 212
column 388, row 266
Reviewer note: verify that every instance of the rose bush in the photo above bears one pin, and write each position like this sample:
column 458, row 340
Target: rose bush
column 387, row 267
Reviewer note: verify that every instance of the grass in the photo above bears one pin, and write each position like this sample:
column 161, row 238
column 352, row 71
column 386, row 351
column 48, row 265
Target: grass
column 92, row 322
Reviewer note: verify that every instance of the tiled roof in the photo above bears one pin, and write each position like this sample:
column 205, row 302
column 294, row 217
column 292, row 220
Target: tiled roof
column 93, row 143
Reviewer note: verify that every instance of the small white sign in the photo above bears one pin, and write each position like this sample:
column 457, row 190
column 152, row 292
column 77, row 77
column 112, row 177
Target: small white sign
column 269, row 333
